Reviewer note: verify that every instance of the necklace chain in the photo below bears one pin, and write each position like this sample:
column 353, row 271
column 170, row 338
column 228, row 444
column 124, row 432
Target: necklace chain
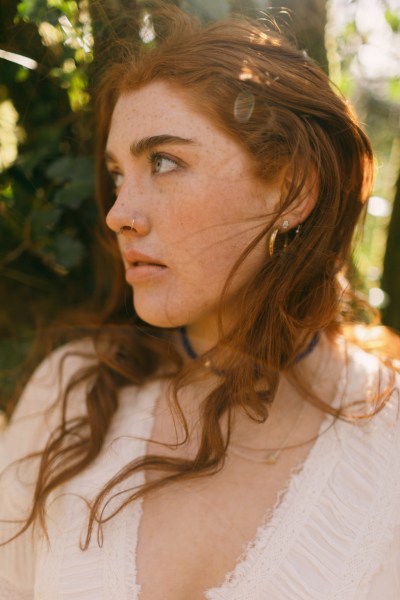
column 268, row 457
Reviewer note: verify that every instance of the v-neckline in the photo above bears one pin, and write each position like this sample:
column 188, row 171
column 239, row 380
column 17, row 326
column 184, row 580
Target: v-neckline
column 300, row 485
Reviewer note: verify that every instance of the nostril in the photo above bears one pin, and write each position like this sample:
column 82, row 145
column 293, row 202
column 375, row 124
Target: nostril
column 128, row 227
column 125, row 228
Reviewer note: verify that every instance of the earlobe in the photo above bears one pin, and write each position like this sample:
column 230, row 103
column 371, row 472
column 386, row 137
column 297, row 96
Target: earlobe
column 301, row 208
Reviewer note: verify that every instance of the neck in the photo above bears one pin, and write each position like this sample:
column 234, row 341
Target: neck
column 202, row 336
column 192, row 351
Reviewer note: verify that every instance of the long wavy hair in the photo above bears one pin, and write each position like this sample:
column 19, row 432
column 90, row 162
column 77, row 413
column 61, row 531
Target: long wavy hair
column 273, row 100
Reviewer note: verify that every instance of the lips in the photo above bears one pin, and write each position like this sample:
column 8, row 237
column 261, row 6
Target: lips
column 137, row 259
column 142, row 268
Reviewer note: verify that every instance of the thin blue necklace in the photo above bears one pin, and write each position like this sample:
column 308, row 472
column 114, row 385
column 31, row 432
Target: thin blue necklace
column 191, row 353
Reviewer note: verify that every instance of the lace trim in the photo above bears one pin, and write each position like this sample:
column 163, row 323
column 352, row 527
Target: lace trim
column 347, row 487
column 383, row 518
column 285, row 520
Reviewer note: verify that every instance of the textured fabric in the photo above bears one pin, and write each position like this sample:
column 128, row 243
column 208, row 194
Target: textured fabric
column 334, row 534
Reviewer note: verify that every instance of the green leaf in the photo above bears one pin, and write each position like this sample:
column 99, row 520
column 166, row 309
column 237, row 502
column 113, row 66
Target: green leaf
column 37, row 11
column 73, row 194
column 70, row 168
column 394, row 90
column 69, row 8
column 60, row 170
column 28, row 161
column 393, row 19
column 68, row 251
column 22, row 74
column 43, row 220
column 29, row 8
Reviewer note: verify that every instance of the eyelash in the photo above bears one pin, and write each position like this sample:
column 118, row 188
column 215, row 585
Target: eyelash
column 154, row 156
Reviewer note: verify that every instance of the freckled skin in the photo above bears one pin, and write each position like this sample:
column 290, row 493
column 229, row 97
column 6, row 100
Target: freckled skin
column 195, row 215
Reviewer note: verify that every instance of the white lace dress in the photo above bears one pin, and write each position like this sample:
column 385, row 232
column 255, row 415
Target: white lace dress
column 334, row 534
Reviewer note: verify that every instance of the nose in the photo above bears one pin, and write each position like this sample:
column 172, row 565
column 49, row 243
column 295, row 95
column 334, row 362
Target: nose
column 123, row 217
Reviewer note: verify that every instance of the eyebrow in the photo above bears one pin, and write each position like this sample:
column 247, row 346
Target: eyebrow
column 148, row 143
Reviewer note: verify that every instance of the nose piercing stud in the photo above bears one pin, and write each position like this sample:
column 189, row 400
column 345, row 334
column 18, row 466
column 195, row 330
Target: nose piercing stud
column 128, row 227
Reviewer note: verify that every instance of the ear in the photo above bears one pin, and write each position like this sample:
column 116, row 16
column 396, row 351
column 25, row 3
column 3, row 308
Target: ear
column 304, row 204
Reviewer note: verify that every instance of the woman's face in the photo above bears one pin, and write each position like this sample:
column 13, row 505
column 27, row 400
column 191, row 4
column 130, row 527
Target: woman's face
column 195, row 202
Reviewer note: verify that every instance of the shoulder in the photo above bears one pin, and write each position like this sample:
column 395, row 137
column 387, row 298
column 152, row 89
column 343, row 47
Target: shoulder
column 38, row 410
column 53, row 375
column 369, row 434
column 367, row 381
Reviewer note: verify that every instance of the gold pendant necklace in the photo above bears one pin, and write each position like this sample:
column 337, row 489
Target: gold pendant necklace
column 265, row 456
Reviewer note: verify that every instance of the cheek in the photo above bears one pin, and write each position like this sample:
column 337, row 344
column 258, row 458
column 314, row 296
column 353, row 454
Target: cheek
column 206, row 252
column 208, row 226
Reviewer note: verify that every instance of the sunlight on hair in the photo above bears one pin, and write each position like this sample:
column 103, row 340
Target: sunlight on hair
column 261, row 38
column 147, row 33
column 368, row 336
column 247, row 74
column 243, row 107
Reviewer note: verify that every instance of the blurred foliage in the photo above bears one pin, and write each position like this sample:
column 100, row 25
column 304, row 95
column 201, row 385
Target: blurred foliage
column 363, row 44
column 47, row 207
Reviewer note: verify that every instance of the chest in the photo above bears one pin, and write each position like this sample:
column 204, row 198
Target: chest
column 320, row 541
column 193, row 533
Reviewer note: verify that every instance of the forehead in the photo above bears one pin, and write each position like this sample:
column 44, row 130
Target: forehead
column 156, row 108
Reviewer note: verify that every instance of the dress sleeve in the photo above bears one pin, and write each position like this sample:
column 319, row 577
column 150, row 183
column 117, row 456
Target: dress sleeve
column 35, row 417
column 385, row 583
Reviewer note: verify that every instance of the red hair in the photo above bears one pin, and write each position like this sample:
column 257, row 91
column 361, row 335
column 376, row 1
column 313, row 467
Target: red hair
column 275, row 101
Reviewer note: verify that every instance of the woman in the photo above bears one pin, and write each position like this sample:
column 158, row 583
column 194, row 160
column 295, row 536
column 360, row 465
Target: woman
column 229, row 442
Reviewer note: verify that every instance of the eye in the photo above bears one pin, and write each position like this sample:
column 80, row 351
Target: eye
column 162, row 164
column 117, row 179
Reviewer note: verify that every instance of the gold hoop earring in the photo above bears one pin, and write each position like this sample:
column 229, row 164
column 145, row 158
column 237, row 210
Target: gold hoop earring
column 272, row 238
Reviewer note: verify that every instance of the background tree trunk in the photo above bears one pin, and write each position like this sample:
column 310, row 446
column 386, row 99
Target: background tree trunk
column 308, row 20
column 391, row 266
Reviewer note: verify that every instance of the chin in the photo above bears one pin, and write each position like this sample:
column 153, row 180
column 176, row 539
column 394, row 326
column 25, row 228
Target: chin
column 155, row 310
column 158, row 317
